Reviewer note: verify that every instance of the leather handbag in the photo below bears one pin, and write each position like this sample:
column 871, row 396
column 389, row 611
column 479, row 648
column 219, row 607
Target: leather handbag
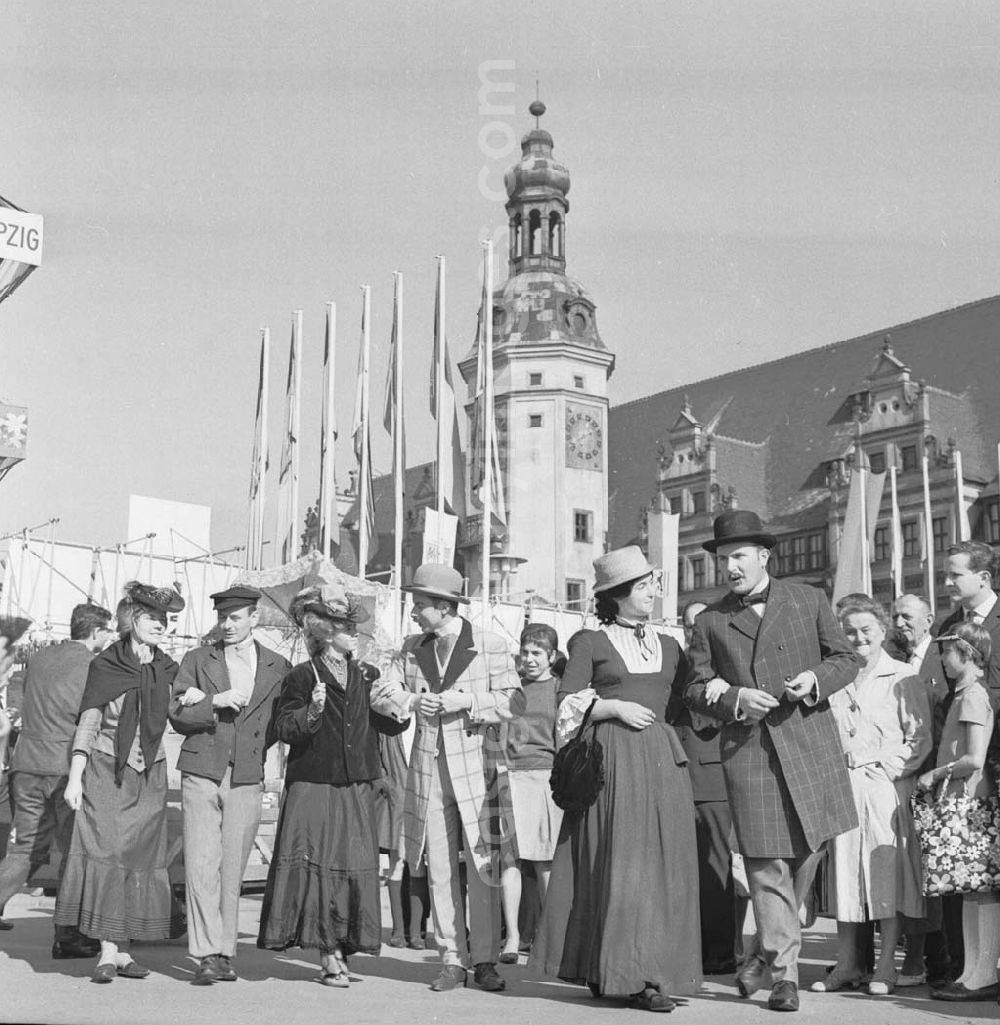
column 578, row 770
column 959, row 840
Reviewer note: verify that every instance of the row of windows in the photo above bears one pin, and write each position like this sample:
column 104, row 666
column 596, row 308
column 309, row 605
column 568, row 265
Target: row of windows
column 800, row 553
column 908, row 461
column 535, row 380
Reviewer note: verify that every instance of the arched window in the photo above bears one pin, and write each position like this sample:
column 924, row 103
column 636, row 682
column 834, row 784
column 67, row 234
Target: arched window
column 555, row 236
column 516, row 239
column 534, row 233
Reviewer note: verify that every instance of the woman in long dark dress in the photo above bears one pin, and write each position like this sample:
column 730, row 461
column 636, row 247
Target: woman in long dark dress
column 622, row 908
column 115, row 887
column 322, row 887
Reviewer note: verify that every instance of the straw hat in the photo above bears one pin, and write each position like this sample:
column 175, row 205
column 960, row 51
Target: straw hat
column 619, row 567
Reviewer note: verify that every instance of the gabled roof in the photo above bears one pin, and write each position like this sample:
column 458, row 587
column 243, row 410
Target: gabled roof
column 795, row 401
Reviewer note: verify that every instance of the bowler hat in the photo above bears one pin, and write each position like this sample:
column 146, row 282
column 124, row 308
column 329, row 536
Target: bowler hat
column 439, row 581
column 330, row 600
column 236, row 597
column 158, row 599
column 739, row 526
column 619, row 567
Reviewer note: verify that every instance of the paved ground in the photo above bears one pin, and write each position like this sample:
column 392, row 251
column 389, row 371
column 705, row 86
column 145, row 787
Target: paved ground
column 281, row 989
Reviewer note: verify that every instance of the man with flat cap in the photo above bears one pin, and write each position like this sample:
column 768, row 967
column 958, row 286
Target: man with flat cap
column 221, row 702
column 764, row 660
column 461, row 683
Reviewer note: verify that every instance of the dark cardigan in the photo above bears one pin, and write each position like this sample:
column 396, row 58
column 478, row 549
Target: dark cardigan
column 341, row 746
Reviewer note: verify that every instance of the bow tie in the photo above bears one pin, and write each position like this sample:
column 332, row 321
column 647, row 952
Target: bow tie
column 760, row 598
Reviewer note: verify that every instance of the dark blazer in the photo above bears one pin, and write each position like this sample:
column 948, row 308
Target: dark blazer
column 341, row 746
column 217, row 738
column 798, row 632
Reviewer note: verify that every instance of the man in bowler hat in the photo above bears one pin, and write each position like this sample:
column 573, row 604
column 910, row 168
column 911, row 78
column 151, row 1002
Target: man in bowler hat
column 461, row 683
column 764, row 660
column 221, row 702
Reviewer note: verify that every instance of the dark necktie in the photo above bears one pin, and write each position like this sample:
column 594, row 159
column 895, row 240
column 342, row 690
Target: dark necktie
column 746, row 600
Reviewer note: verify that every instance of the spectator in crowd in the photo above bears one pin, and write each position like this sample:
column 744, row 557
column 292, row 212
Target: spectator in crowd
column 530, row 750
column 765, row 660
column 322, row 887
column 912, row 621
column 6, row 738
column 884, row 718
column 53, row 688
column 621, row 913
column 222, row 702
column 966, row 656
column 115, row 887
column 713, row 823
column 461, row 683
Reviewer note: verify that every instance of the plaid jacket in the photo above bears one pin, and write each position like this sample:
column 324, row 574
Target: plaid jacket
column 788, row 769
column 480, row 664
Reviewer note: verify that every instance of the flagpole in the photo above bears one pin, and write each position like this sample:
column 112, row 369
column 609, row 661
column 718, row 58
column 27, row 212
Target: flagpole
column 296, row 434
column 363, row 497
column 897, row 554
column 399, row 470
column 961, row 518
column 928, row 534
column 327, row 477
column 265, row 356
column 487, row 427
column 439, row 349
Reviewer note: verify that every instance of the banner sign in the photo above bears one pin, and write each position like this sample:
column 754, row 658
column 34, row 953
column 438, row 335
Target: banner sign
column 13, row 432
column 20, row 236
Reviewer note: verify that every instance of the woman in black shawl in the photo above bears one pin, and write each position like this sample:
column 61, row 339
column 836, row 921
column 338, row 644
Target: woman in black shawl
column 115, row 887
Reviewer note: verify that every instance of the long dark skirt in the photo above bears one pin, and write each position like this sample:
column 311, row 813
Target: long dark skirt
column 115, row 884
column 322, row 887
column 622, row 905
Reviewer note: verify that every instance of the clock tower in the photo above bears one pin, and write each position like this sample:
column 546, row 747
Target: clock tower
column 551, row 371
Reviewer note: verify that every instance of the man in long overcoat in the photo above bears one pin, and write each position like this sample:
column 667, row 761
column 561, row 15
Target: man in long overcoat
column 764, row 660
column 460, row 682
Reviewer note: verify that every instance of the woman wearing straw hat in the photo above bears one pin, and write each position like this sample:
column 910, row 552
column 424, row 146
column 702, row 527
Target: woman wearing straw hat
column 622, row 907
column 322, row 887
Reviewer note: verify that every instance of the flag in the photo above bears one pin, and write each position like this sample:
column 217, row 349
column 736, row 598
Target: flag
column 864, row 496
column 392, row 418
column 329, row 521
column 896, row 538
column 259, row 463
column 288, row 467
column 962, row 530
column 444, row 410
column 361, row 435
column 480, row 417
column 928, row 535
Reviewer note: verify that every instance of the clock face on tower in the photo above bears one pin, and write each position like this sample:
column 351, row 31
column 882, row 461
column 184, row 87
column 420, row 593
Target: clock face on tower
column 584, row 437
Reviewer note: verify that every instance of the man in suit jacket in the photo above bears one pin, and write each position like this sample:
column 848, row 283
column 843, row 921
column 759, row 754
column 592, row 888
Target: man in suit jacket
column 222, row 702
column 460, row 681
column 764, row 660
column 53, row 689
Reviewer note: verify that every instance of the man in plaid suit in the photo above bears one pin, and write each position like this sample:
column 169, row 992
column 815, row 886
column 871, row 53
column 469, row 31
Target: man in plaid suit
column 460, row 681
column 764, row 660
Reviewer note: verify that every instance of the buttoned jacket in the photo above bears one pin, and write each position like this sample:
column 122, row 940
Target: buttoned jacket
column 216, row 737
column 797, row 632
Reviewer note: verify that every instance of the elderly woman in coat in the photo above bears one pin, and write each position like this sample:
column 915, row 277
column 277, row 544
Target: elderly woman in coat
column 322, row 887
column 884, row 717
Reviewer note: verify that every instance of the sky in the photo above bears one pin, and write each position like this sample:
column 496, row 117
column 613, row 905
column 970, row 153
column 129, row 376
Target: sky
column 748, row 181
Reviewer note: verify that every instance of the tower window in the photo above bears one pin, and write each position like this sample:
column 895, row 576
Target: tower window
column 535, row 380
column 534, row 233
column 516, row 237
column 583, row 526
column 555, row 235
column 534, row 419
column 577, row 381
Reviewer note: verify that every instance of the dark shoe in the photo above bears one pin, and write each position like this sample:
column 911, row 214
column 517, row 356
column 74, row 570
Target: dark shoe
column 508, row 957
column 206, row 973
column 651, row 999
column 5, row 926
column 132, row 970
column 452, row 976
column 784, row 996
column 486, row 976
column 958, row 992
column 751, row 977
column 718, row 967
column 224, row 970
column 63, row 949
column 104, row 973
